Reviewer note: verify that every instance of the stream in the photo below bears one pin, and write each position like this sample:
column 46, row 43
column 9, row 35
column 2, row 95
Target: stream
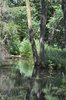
column 17, row 83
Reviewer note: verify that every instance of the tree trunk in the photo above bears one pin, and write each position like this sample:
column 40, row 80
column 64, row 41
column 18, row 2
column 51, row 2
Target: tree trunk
column 64, row 14
column 1, row 15
column 42, row 30
column 31, row 34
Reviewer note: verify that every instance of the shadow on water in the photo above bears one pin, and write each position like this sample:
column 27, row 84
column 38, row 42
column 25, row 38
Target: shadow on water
column 17, row 83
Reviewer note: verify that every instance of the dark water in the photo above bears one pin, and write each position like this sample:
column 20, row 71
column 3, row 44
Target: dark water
column 17, row 83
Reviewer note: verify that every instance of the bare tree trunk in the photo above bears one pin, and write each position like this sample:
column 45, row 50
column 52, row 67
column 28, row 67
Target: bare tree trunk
column 42, row 30
column 64, row 14
column 31, row 34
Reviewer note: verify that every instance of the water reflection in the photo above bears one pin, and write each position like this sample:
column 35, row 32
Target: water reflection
column 16, row 83
column 25, row 67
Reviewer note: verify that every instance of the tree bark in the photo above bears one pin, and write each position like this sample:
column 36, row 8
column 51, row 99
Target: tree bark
column 64, row 14
column 42, row 30
column 31, row 34
column 1, row 15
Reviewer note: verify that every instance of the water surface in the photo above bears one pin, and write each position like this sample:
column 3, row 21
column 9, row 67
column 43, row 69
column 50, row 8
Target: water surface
column 17, row 83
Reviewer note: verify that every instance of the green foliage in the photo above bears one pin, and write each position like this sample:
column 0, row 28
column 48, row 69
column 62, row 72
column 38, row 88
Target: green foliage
column 14, row 46
column 10, row 29
column 25, row 66
column 37, row 45
column 54, row 56
column 55, row 25
column 14, row 27
column 25, row 47
column 56, row 18
column 19, row 17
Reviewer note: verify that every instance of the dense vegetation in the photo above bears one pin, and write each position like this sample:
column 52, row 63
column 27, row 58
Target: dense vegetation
column 14, row 30
column 33, row 49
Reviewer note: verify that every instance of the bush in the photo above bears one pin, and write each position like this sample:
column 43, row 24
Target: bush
column 25, row 47
column 55, row 56
column 14, row 46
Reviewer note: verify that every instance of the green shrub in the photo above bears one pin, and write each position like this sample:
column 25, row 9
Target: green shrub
column 14, row 48
column 55, row 56
column 25, row 47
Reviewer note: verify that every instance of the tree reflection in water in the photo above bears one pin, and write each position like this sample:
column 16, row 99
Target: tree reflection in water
column 48, row 85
